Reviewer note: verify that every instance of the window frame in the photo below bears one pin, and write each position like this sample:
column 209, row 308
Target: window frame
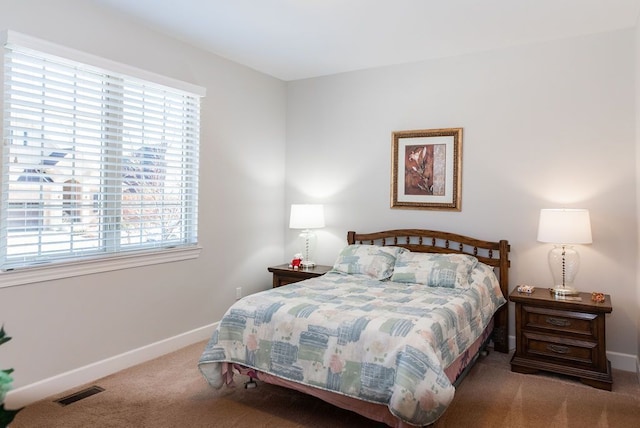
column 97, row 263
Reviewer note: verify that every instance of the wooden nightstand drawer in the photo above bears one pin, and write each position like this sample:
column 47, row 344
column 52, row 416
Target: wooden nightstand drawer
column 560, row 349
column 578, row 323
column 280, row 280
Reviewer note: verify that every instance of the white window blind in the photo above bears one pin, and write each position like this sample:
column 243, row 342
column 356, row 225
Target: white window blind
column 94, row 162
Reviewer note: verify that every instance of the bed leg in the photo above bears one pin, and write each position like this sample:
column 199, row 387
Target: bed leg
column 484, row 350
column 251, row 383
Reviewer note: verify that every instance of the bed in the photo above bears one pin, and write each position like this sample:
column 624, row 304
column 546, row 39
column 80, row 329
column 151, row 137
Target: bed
column 387, row 333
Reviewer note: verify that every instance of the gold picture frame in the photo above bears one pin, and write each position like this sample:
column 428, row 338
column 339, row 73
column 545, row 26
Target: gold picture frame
column 426, row 169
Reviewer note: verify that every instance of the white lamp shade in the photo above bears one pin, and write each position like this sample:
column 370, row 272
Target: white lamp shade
column 565, row 226
column 306, row 216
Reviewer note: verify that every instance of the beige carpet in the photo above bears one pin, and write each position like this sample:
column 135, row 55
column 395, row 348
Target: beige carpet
column 170, row 392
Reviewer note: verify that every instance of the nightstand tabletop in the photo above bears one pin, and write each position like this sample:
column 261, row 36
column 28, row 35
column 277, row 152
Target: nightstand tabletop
column 317, row 269
column 542, row 296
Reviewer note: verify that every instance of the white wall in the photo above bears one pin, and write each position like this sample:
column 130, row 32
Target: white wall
column 637, row 93
column 546, row 125
column 63, row 325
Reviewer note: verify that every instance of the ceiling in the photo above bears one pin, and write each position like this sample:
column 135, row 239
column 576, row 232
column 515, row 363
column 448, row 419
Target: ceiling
column 297, row 39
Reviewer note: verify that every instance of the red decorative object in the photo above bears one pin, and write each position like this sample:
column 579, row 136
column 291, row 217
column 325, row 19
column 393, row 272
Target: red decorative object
column 597, row 297
column 295, row 263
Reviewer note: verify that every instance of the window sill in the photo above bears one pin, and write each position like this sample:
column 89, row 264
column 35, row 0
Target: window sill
column 98, row 265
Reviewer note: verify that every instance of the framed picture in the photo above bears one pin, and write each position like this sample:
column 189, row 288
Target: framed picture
column 426, row 169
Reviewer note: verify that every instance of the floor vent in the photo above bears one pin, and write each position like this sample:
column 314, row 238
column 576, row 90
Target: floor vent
column 65, row 401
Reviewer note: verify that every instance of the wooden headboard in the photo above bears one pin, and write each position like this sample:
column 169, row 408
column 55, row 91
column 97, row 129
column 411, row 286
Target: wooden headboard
column 495, row 254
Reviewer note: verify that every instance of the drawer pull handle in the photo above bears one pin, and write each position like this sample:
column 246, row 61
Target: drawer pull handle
column 558, row 322
column 558, row 349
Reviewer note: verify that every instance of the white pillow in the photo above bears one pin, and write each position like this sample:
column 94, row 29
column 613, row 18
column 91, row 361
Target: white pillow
column 372, row 260
column 434, row 269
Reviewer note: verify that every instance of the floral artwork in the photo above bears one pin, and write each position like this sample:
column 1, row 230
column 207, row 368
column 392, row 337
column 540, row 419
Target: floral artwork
column 426, row 169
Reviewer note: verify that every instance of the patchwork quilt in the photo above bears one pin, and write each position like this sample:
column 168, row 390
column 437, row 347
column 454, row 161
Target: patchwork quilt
column 379, row 341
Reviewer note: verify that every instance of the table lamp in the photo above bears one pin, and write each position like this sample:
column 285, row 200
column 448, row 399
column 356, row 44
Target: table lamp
column 307, row 217
column 563, row 228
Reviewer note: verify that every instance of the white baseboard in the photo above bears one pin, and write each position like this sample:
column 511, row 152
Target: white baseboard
column 512, row 343
column 28, row 394
column 619, row 361
column 626, row 362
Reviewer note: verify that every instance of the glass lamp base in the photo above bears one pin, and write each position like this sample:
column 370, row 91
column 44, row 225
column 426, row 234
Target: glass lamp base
column 307, row 248
column 560, row 290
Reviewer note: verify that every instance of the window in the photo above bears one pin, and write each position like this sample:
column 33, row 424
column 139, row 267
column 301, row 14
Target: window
column 95, row 162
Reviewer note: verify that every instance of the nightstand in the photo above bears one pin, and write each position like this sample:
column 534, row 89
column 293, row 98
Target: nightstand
column 283, row 274
column 562, row 335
